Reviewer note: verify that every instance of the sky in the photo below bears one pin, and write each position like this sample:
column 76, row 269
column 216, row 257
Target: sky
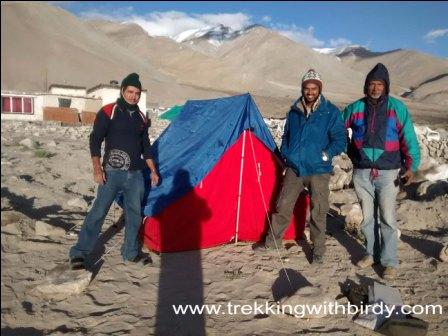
column 379, row 26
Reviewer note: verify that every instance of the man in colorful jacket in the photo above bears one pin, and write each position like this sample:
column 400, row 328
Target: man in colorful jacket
column 124, row 129
column 314, row 133
column 383, row 140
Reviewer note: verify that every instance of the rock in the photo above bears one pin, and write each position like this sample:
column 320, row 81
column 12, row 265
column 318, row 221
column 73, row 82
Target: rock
column 28, row 143
column 10, row 217
column 64, row 284
column 10, row 229
column 353, row 217
column 77, row 203
column 346, row 196
column 51, row 144
column 6, row 205
column 44, row 229
column 343, row 162
column 432, row 189
column 339, row 179
column 443, row 255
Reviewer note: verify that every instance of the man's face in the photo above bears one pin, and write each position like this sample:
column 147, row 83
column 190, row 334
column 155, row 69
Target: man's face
column 310, row 92
column 375, row 89
column 131, row 94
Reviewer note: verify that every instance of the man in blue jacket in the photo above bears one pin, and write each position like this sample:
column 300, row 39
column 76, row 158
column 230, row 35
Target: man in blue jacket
column 314, row 134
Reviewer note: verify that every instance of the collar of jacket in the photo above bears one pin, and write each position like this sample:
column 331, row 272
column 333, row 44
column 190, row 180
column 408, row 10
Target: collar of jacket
column 125, row 106
column 296, row 106
column 378, row 102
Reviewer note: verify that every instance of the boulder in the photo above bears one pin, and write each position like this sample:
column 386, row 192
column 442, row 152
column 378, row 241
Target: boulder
column 77, row 203
column 443, row 255
column 64, row 283
column 28, row 143
column 44, row 229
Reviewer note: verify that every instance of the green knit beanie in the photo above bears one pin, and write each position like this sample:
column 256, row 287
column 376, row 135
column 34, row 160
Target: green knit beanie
column 131, row 80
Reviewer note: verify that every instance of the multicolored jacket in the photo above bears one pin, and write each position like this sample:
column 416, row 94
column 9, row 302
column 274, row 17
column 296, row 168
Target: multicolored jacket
column 385, row 139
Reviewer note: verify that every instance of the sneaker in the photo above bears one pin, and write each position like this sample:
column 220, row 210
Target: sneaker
column 317, row 259
column 261, row 248
column 367, row 261
column 77, row 263
column 389, row 273
column 142, row 259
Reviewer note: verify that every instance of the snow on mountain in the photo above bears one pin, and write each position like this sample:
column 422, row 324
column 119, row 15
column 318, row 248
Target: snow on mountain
column 341, row 50
column 214, row 35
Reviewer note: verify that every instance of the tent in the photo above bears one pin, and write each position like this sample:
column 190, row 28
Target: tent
column 219, row 178
column 172, row 113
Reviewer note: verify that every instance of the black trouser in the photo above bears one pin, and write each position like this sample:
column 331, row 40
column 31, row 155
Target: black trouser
column 293, row 185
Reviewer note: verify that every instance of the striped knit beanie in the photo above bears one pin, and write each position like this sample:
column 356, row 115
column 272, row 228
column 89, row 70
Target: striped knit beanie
column 312, row 76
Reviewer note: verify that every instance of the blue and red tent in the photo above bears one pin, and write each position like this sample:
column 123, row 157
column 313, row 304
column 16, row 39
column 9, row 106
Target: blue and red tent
column 219, row 178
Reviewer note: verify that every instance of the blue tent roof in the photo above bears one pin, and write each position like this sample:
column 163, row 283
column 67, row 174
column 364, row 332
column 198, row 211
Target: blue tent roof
column 195, row 141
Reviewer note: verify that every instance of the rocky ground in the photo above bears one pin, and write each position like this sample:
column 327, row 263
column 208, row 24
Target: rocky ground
column 46, row 190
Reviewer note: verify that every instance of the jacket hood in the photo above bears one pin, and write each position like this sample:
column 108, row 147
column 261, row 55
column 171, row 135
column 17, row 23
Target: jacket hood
column 379, row 72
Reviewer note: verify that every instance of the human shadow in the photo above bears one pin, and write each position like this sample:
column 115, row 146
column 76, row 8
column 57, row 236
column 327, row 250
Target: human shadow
column 27, row 207
column 180, row 279
column 336, row 228
column 96, row 258
column 427, row 247
column 288, row 282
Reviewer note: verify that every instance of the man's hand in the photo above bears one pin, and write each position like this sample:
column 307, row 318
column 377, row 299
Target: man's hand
column 98, row 173
column 154, row 178
column 408, row 177
column 99, row 176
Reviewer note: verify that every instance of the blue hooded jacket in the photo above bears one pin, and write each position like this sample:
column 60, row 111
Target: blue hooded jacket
column 304, row 139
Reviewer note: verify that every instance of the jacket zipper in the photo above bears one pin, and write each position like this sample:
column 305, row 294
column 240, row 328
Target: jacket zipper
column 372, row 124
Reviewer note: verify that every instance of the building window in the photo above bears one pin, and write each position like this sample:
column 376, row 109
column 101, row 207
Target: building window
column 23, row 105
column 64, row 102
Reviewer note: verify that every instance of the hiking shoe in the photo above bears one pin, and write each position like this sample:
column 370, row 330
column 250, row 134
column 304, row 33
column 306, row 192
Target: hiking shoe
column 367, row 261
column 389, row 273
column 77, row 263
column 317, row 259
column 261, row 248
column 142, row 259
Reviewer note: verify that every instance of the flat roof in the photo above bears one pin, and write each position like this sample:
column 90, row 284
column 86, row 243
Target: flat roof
column 65, row 86
column 107, row 86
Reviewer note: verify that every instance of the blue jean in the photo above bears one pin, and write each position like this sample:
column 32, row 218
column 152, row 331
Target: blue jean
column 131, row 183
column 379, row 194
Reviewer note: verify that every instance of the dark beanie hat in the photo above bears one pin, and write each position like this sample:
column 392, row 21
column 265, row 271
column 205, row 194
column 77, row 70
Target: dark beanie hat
column 131, row 80
column 379, row 72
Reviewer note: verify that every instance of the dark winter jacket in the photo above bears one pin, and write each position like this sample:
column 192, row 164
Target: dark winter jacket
column 125, row 133
column 305, row 139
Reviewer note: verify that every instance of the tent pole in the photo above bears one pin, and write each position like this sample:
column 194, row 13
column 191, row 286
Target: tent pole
column 240, row 187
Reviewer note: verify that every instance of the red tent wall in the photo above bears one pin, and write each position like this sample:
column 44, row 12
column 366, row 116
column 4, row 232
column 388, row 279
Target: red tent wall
column 206, row 216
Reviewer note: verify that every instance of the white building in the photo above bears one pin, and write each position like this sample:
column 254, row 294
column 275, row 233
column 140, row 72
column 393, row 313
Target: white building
column 69, row 99
column 109, row 93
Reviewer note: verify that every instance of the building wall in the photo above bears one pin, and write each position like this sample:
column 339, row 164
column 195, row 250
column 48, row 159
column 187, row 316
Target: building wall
column 110, row 95
column 68, row 92
column 40, row 101
column 78, row 103
column 37, row 109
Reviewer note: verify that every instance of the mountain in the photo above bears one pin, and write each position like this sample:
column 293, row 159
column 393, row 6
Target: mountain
column 208, row 39
column 42, row 44
column 408, row 70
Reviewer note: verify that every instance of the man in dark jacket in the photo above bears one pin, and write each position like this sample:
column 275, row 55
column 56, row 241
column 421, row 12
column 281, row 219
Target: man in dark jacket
column 383, row 140
column 314, row 133
column 124, row 129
